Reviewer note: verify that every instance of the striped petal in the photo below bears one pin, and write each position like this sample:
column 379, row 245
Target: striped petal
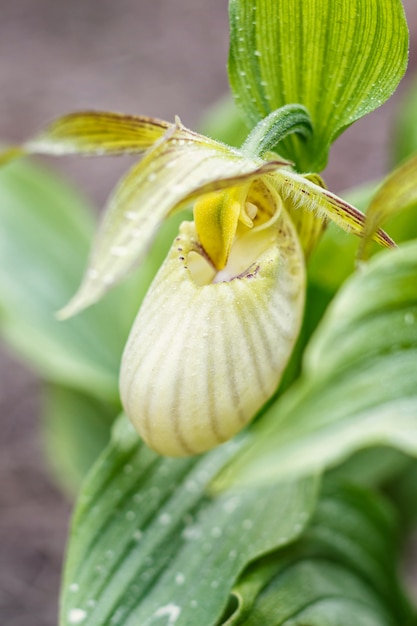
column 302, row 193
column 179, row 168
column 92, row 133
column 204, row 356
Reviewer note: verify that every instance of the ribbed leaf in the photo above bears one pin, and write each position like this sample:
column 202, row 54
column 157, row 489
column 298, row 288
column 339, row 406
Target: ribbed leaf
column 148, row 545
column 359, row 386
column 340, row 60
column 342, row 569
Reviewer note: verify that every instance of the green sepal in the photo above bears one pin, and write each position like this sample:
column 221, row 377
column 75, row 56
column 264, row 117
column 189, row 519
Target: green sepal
column 269, row 132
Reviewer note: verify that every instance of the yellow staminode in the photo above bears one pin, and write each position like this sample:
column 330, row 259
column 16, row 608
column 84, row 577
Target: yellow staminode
column 216, row 217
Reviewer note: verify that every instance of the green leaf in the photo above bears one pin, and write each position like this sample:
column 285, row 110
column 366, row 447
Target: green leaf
column 149, row 546
column 45, row 233
column 75, row 429
column 358, row 386
column 340, row 60
column 344, row 565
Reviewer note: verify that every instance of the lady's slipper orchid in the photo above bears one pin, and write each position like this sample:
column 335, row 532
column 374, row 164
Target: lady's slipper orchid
column 221, row 318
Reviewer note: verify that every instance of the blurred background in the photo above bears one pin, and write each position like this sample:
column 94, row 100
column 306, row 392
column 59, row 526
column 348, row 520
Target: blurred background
column 160, row 58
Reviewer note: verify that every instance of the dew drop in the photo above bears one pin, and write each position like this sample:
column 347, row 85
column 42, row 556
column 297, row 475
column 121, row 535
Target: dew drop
column 232, row 554
column 74, row 587
column 76, row 616
column 191, row 532
column 409, row 319
column 231, row 504
column 118, row 251
column 216, row 532
column 247, row 524
column 164, row 519
column 92, row 273
column 180, row 579
column 130, row 516
column 130, row 215
column 137, row 535
column 128, row 469
column 194, row 603
column 172, row 611
column 214, row 584
column 152, row 177
column 108, row 280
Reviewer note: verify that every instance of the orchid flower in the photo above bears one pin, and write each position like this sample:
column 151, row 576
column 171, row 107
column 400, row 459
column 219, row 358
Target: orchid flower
column 219, row 323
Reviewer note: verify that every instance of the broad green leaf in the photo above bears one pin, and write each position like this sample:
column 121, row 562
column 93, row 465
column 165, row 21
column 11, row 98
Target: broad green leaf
column 340, row 60
column 75, row 429
column 343, row 566
column 149, row 546
column 358, row 386
column 45, row 233
column 397, row 194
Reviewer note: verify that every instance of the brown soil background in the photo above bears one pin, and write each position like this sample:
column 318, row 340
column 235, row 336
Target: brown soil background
column 158, row 58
